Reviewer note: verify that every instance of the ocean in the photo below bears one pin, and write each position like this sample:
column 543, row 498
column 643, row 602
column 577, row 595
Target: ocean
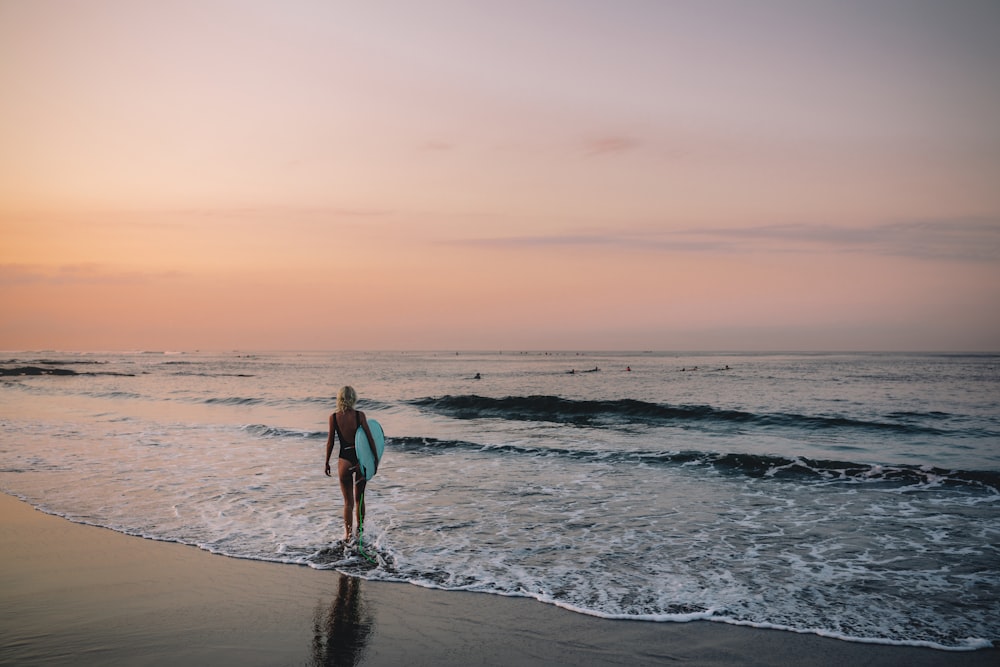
column 854, row 496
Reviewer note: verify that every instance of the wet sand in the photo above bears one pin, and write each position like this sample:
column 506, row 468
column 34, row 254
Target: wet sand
column 80, row 595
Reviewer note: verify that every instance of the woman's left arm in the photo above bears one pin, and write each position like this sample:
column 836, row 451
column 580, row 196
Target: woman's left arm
column 368, row 432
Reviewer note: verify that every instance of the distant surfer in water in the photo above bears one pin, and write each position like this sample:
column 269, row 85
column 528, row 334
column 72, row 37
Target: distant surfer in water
column 345, row 423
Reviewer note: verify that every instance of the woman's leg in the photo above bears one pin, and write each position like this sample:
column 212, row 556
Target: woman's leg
column 359, row 490
column 345, row 472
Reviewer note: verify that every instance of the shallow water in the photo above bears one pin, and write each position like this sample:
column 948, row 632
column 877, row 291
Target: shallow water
column 850, row 495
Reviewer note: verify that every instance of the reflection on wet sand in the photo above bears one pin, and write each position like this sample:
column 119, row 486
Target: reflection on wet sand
column 341, row 631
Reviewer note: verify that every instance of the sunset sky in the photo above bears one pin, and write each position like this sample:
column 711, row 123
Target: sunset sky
column 666, row 175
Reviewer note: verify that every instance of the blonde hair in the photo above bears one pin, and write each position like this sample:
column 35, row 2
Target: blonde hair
column 346, row 398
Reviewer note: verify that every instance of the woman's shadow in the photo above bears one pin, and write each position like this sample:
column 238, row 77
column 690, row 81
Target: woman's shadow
column 341, row 631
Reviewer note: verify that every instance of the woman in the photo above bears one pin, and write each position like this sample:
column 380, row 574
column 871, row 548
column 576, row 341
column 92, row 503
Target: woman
column 345, row 423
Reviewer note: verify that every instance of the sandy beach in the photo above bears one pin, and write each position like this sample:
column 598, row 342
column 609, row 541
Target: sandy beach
column 75, row 594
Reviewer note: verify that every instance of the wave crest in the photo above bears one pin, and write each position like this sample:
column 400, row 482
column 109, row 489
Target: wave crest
column 622, row 412
column 750, row 465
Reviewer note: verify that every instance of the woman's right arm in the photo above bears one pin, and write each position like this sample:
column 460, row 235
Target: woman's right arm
column 329, row 447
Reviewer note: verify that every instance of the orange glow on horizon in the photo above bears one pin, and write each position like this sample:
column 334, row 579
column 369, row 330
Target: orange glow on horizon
column 198, row 176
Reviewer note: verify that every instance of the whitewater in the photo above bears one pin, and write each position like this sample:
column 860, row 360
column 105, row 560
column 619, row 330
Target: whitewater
column 853, row 495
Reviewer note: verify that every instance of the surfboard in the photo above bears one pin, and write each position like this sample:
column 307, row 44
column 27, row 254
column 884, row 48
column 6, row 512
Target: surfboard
column 365, row 458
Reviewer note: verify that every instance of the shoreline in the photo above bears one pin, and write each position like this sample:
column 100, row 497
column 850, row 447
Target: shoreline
column 78, row 594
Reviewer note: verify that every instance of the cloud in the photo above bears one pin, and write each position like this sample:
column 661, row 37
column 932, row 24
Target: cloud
column 437, row 146
column 625, row 240
column 963, row 239
column 13, row 275
column 285, row 214
column 966, row 239
column 608, row 145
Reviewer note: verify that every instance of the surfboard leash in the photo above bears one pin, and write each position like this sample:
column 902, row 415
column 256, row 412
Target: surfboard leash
column 361, row 530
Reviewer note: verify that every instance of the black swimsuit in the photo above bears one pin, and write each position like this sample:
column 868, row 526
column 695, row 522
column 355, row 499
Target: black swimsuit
column 347, row 451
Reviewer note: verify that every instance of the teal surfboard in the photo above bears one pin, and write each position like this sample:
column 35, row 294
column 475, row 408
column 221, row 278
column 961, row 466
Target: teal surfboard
column 365, row 458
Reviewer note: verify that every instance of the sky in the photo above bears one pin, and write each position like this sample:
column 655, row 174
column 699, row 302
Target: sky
column 518, row 175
